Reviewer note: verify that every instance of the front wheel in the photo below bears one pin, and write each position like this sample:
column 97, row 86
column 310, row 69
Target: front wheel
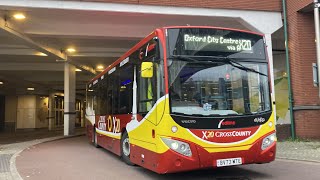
column 125, row 149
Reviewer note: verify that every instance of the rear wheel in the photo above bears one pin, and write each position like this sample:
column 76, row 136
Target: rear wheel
column 95, row 138
column 125, row 148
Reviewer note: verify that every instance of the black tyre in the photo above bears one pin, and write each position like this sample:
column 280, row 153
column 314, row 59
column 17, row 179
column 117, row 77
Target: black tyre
column 94, row 135
column 125, row 149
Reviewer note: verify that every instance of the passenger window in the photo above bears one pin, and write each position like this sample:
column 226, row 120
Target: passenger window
column 125, row 89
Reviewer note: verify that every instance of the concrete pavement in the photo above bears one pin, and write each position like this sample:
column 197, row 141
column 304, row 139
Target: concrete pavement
column 9, row 151
column 28, row 135
column 301, row 151
column 8, row 154
column 76, row 159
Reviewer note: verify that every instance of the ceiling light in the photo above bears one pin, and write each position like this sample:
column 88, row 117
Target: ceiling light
column 1, row 82
column 19, row 16
column 79, row 70
column 71, row 50
column 30, row 89
column 40, row 54
column 100, row 67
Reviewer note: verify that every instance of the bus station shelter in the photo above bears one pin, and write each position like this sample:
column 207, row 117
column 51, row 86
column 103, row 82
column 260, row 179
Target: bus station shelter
column 50, row 49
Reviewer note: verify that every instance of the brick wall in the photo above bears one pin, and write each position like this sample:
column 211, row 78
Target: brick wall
column 295, row 5
column 307, row 123
column 270, row 5
column 302, row 55
column 283, row 132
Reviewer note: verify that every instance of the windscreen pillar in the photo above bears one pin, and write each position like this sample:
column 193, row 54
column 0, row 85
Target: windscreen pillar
column 51, row 111
column 270, row 59
column 69, row 99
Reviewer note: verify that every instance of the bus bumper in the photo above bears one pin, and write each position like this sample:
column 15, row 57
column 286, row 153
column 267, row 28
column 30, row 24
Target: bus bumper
column 171, row 161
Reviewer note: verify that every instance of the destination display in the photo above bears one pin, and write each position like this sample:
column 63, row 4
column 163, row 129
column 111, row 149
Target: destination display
column 217, row 43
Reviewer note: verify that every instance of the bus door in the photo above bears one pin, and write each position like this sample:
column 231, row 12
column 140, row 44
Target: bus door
column 146, row 98
column 147, row 79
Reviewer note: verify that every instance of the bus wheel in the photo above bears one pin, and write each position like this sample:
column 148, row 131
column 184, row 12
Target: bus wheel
column 95, row 139
column 125, row 148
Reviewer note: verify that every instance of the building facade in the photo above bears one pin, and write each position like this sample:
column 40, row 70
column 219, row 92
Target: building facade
column 302, row 51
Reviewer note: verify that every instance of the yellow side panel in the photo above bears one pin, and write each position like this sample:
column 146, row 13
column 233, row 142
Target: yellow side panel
column 142, row 134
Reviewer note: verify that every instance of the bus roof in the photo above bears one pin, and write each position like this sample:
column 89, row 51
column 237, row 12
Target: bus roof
column 152, row 34
column 128, row 53
column 214, row 27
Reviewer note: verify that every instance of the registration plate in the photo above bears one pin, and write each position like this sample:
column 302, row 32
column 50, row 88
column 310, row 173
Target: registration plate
column 229, row 162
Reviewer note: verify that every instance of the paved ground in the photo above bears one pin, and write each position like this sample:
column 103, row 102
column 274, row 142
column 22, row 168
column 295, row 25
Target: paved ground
column 28, row 135
column 70, row 158
column 75, row 158
column 305, row 151
column 9, row 149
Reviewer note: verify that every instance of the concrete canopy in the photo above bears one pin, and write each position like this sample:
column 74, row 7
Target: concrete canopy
column 100, row 33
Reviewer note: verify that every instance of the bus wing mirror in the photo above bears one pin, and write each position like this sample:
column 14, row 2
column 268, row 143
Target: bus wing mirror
column 147, row 70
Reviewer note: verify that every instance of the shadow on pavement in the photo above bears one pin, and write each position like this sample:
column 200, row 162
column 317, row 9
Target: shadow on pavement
column 226, row 173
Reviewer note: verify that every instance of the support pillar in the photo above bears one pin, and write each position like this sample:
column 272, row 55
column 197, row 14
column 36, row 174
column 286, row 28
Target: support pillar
column 82, row 105
column 69, row 99
column 270, row 56
column 51, row 117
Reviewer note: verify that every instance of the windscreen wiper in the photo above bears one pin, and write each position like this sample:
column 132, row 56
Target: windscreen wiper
column 198, row 115
column 184, row 114
column 183, row 58
column 211, row 59
column 240, row 66
column 229, row 60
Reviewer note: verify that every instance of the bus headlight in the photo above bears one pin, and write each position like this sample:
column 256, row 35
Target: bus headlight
column 178, row 146
column 267, row 141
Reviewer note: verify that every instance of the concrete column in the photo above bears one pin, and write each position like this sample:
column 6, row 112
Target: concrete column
column 269, row 49
column 69, row 98
column 52, row 115
column 82, row 113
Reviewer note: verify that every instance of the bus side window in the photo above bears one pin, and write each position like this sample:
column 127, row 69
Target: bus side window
column 115, row 92
column 104, row 100
column 125, row 89
column 96, row 99
column 110, row 97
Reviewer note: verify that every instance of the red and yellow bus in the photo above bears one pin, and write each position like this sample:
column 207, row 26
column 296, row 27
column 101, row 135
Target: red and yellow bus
column 185, row 98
